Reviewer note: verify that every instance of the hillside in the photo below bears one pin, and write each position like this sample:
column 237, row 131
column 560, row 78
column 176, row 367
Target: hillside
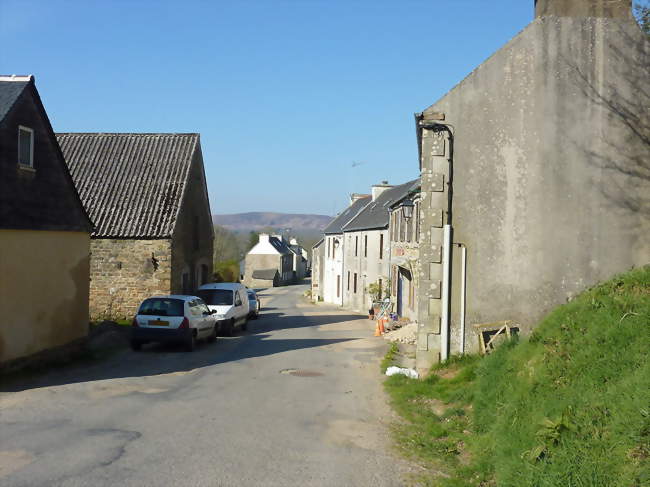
column 298, row 223
column 568, row 406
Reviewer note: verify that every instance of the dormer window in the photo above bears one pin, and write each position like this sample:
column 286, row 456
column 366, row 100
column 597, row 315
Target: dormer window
column 25, row 146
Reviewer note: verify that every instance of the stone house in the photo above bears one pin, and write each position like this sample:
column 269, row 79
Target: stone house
column 332, row 268
column 317, row 261
column 404, row 253
column 44, row 231
column 366, row 249
column 270, row 253
column 265, row 278
column 148, row 199
column 535, row 177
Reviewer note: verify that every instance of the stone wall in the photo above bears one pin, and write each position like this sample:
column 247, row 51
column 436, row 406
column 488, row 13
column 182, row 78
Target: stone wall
column 260, row 262
column 193, row 239
column 123, row 272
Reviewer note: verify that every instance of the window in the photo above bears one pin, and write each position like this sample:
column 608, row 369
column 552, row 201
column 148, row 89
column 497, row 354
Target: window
column 381, row 289
column 338, row 286
column 356, row 246
column 348, row 280
column 216, row 297
column 365, row 245
column 162, row 307
column 204, row 273
column 409, row 226
column 25, row 146
column 186, row 283
column 381, row 246
column 355, row 283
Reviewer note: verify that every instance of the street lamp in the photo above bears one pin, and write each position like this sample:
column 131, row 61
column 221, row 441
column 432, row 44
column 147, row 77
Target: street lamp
column 407, row 209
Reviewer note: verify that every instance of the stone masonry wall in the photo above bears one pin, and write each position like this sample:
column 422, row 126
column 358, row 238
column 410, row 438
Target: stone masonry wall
column 124, row 272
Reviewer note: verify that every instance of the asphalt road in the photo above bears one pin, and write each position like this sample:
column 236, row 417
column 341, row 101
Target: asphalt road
column 295, row 400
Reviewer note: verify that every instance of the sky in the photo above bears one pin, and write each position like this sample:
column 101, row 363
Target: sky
column 298, row 103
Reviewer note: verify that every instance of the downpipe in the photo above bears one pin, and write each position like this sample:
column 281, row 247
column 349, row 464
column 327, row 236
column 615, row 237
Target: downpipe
column 445, row 292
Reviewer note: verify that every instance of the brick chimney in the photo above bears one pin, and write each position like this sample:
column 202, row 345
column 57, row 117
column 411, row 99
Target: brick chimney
column 621, row 9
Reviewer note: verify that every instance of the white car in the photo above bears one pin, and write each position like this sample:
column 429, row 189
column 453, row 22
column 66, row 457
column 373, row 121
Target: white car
column 173, row 318
column 230, row 303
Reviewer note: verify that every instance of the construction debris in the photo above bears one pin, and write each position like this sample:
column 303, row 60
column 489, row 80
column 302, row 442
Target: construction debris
column 405, row 334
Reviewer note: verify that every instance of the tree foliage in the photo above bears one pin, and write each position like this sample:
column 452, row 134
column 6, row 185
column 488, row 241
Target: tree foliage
column 642, row 14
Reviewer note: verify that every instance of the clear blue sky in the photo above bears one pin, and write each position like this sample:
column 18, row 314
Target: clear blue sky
column 285, row 94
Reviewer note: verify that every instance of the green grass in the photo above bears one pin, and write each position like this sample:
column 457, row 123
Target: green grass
column 388, row 359
column 568, row 407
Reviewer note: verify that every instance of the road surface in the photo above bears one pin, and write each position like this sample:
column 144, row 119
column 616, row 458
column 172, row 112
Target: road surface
column 295, row 400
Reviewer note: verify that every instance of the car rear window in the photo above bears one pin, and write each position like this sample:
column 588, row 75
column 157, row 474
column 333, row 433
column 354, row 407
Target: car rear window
column 162, row 307
column 216, row 297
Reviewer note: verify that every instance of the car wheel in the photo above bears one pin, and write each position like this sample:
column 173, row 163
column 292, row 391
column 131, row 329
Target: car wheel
column 190, row 343
column 136, row 346
column 244, row 325
column 213, row 336
column 228, row 328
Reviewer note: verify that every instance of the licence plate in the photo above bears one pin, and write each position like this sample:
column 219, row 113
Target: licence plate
column 158, row 323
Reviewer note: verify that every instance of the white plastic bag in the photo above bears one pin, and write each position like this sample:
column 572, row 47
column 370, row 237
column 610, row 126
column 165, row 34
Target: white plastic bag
column 411, row 373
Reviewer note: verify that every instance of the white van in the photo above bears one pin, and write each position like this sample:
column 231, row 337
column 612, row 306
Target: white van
column 230, row 302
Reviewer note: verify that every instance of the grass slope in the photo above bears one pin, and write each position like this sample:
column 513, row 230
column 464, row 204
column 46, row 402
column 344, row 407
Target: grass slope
column 568, row 407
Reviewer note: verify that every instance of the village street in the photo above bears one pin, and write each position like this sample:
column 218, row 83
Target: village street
column 295, row 400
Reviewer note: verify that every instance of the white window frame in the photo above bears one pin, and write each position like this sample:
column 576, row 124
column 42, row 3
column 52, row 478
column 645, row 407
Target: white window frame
column 31, row 147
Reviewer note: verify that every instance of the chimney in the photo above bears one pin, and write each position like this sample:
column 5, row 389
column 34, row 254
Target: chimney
column 621, row 9
column 264, row 237
column 357, row 196
column 378, row 189
column 293, row 241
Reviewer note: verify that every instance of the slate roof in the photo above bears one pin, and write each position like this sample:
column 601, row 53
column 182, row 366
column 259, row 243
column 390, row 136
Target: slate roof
column 266, row 274
column 376, row 214
column 131, row 185
column 336, row 226
column 279, row 245
column 9, row 93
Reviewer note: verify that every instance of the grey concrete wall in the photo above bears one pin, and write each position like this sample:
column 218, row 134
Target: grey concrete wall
column 584, row 8
column 551, row 179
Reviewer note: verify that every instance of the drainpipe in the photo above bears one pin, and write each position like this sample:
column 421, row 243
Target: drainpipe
column 444, row 318
column 463, row 293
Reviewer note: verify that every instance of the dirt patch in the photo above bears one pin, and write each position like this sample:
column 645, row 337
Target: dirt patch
column 448, row 373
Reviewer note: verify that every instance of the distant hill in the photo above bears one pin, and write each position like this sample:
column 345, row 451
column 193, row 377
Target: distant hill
column 297, row 223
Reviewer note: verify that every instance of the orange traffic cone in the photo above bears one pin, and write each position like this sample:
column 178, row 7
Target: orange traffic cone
column 377, row 329
column 381, row 326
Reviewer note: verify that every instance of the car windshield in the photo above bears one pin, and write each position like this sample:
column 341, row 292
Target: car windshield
column 162, row 307
column 216, row 297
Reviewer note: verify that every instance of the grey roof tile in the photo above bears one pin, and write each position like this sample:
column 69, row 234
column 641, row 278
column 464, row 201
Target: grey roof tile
column 131, row 184
column 336, row 226
column 375, row 215
column 9, row 93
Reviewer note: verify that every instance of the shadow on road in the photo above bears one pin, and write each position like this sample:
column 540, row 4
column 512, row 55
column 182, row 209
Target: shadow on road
column 156, row 359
